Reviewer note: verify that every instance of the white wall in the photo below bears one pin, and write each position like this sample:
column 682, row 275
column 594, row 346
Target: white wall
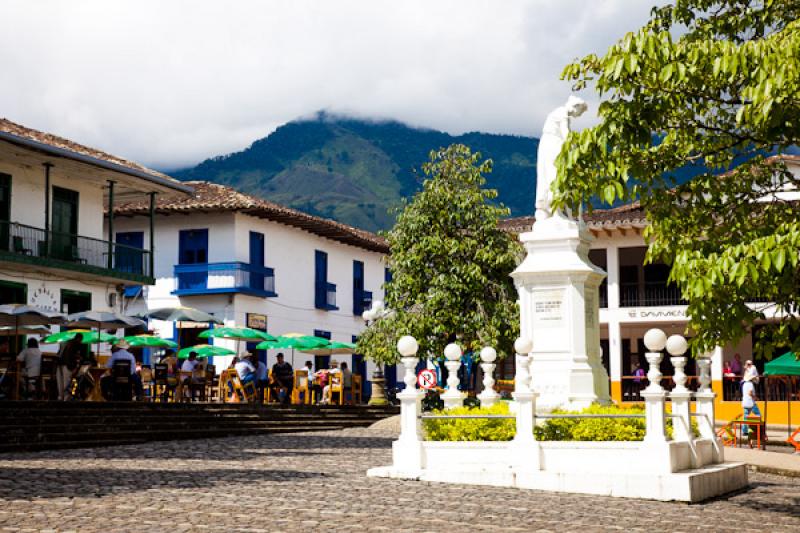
column 28, row 197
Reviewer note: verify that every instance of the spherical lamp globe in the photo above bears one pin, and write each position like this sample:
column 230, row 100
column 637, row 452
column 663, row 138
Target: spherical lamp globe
column 377, row 306
column 452, row 352
column 655, row 340
column 368, row 315
column 407, row 346
column 488, row 354
column 676, row 345
column 523, row 345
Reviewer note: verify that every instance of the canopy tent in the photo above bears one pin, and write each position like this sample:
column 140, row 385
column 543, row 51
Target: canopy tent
column 100, row 320
column 16, row 315
column 204, row 350
column 786, row 365
column 294, row 341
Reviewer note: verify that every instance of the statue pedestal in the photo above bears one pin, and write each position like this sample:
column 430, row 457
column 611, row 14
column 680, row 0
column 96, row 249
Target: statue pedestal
column 559, row 311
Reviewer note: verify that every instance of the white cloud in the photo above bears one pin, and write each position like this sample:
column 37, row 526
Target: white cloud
column 169, row 83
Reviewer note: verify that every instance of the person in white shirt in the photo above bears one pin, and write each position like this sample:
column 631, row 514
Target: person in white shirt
column 245, row 369
column 191, row 363
column 262, row 378
column 749, row 404
column 32, row 357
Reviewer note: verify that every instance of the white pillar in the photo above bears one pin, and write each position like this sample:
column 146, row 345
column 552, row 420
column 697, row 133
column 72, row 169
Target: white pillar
column 612, row 267
column 488, row 395
column 716, row 363
column 524, row 447
column 654, row 400
column 704, row 406
column 452, row 397
column 615, row 350
column 681, row 398
column 407, row 449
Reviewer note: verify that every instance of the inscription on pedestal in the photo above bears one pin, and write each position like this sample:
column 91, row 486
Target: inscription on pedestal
column 548, row 308
column 589, row 310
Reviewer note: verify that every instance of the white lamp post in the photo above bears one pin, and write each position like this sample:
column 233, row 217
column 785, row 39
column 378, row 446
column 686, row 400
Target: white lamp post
column 681, row 396
column 654, row 395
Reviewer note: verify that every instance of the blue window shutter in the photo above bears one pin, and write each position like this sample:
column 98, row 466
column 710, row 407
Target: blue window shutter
column 358, row 287
column 320, row 279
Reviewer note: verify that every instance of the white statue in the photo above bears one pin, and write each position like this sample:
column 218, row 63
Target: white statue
column 554, row 133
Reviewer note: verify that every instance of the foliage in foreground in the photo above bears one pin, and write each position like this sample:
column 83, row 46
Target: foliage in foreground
column 554, row 429
column 705, row 84
column 471, row 429
column 450, row 265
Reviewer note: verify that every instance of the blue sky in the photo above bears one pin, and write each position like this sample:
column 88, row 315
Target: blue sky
column 169, row 83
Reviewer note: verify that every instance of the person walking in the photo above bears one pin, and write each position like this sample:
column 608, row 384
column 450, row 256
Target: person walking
column 749, row 405
column 69, row 360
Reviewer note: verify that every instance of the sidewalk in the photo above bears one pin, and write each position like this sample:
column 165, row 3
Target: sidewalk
column 785, row 464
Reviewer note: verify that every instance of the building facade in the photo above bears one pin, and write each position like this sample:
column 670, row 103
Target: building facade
column 251, row 262
column 54, row 196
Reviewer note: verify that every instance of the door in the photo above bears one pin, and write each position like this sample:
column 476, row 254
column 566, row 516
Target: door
column 64, row 225
column 257, row 260
column 128, row 258
column 193, row 250
column 75, row 301
column 5, row 211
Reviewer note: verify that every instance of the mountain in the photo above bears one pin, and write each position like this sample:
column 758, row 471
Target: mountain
column 356, row 171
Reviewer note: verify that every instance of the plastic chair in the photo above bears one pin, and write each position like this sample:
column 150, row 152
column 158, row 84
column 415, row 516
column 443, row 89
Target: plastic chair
column 162, row 390
column 301, row 385
column 121, row 385
column 356, row 389
column 240, row 392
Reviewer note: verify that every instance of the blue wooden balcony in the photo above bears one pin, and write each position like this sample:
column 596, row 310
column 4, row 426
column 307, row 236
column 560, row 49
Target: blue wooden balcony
column 224, row 278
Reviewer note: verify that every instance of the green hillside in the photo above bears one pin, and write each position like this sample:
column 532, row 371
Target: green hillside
column 356, row 171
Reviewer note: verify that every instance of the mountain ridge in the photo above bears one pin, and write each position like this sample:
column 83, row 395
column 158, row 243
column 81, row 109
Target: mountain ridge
column 356, row 171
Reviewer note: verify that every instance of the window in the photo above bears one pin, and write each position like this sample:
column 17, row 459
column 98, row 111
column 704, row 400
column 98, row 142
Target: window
column 360, row 296
column 13, row 293
column 75, row 301
column 64, row 222
column 129, row 256
column 322, row 361
column 324, row 292
column 322, row 333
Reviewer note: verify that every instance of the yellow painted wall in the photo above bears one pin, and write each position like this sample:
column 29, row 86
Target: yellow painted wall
column 616, row 391
column 776, row 412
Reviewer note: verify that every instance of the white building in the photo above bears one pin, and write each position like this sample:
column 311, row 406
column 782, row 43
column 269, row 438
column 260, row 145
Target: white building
column 251, row 262
column 636, row 297
column 54, row 252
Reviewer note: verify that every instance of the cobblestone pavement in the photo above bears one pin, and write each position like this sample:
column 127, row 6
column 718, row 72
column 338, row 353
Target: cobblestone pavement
column 316, row 482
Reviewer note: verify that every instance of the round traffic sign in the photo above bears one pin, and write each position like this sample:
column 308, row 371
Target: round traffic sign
column 426, row 379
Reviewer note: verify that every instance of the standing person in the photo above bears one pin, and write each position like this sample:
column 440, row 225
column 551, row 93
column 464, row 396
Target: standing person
column 69, row 360
column 262, row 379
column 736, row 365
column 347, row 379
column 750, row 368
column 638, row 378
column 749, row 404
column 282, row 377
column 32, row 357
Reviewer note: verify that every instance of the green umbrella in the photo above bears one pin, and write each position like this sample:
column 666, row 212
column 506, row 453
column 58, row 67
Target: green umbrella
column 293, row 341
column 89, row 337
column 786, row 365
column 332, row 348
column 150, row 341
column 204, row 350
column 237, row 334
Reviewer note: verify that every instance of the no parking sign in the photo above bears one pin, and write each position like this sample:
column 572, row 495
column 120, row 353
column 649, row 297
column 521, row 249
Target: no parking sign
column 426, row 379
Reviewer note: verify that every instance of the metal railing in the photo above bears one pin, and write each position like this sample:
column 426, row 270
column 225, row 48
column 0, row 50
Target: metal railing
column 205, row 278
column 30, row 241
column 649, row 294
column 770, row 388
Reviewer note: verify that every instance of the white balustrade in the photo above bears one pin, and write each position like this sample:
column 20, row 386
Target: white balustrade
column 488, row 396
column 654, row 395
column 681, row 396
column 452, row 397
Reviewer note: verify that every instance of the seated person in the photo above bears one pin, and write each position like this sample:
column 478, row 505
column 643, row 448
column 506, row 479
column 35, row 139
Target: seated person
column 282, row 377
column 120, row 353
column 32, row 369
column 246, row 369
column 326, row 391
column 193, row 365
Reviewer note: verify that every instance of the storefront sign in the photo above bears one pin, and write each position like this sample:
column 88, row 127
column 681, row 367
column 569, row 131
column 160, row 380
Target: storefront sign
column 44, row 297
column 257, row 321
column 655, row 314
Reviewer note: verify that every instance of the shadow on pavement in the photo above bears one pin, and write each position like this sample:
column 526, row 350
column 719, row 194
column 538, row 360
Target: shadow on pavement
column 29, row 483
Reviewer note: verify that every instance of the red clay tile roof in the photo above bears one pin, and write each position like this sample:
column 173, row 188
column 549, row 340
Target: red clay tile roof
column 213, row 197
column 625, row 215
column 45, row 140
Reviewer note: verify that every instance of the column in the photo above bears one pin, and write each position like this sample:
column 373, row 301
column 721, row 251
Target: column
column 46, row 251
column 110, row 254
column 612, row 262
column 152, row 272
column 407, row 449
column 615, row 358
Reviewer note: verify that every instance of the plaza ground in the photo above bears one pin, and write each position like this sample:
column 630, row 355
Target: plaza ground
column 316, row 481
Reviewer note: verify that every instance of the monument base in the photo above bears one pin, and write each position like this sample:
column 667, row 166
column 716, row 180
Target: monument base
column 559, row 296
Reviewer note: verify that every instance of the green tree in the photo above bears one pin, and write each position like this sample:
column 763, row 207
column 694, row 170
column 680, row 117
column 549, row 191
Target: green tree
column 705, row 84
column 450, row 265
